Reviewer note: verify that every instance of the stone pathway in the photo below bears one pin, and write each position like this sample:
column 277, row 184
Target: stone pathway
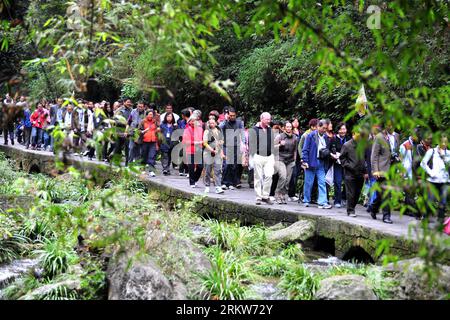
column 400, row 227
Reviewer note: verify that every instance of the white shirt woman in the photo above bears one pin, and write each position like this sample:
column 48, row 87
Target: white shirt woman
column 440, row 158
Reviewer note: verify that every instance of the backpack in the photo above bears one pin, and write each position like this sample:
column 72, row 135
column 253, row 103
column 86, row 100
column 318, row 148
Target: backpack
column 430, row 162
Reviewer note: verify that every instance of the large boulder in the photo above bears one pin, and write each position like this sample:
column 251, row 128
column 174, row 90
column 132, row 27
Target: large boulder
column 138, row 279
column 298, row 231
column 413, row 281
column 345, row 287
column 166, row 268
column 178, row 257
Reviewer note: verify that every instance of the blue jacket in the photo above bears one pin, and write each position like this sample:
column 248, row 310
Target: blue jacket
column 167, row 131
column 309, row 151
column 26, row 118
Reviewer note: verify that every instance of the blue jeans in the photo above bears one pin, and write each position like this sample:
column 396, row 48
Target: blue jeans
column 442, row 189
column 149, row 153
column 46, row 138
column 36, row 136
column 338, row 184
column 372, row 194
column 310, row 174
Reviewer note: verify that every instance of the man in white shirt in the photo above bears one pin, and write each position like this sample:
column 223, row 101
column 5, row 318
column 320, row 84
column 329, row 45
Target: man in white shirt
column 169, row 109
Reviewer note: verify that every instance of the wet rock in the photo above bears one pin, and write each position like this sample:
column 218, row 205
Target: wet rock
column 10, row 272
column 345, row 287
column 298, row 231
column 413, row 281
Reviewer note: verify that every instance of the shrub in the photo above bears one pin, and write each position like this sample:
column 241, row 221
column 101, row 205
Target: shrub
column 224, row 280
column 273, row 266
column 37, row 230
column 246, row 240
column 294, row 251
column 13, row 247
column 55, row 258
column 299, row 283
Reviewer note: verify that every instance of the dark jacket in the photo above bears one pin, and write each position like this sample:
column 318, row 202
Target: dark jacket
column 261, row 141
column 354, row 164
column 54, row 114
column 166, row 132
column 238, row 129
column 336, row 143
column 309, row 151
column 287, row 152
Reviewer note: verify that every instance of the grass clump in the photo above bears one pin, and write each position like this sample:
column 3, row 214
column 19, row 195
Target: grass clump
column 299, row 283
column 225, row 279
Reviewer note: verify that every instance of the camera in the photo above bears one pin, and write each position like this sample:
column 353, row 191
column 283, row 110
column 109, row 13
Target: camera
column 395, row 157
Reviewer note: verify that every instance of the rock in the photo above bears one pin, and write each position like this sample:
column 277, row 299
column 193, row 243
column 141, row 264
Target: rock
column 10, row 272
column 73, row 284
column 277, row 226
column 266, row 291
column 298, row 231
column 180, row 258
column 413, row 282
column 203, row 236
column 14, row 204
column 168, row 269
column 345, row 287
column 137, row 279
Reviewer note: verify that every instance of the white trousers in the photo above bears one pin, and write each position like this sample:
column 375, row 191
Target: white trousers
column 264, row 169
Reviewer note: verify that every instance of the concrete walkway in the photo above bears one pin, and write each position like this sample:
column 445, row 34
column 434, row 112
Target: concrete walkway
column 400, row 227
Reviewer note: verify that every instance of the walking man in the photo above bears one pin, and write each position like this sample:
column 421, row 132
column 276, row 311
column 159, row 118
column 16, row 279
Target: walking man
column 315, row 154
column 261, row 147
column 355, row 171
column 382, row 156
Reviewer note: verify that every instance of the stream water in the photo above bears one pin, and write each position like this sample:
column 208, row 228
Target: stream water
column 12, row 271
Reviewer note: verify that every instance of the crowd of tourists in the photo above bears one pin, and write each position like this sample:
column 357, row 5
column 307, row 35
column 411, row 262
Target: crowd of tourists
column 221, row 147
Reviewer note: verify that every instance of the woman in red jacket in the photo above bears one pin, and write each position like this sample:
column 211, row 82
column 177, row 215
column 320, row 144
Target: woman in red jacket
column 38, row 120
column 149, row 128
column 193, row 142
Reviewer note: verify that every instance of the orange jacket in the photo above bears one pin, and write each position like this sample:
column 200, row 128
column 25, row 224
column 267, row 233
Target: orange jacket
column 150, row 135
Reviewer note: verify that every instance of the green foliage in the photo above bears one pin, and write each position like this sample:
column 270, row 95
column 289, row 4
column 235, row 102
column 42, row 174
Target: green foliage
column 56, row 257
column 245, row 240
column 13, row 247
column 60, row 293
column 224, row 280
column 130, row 91
column 294, row 251
column 273, row 266
column 37, row 230
column 21, row 287
column 299, row 283
column 93, row 283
